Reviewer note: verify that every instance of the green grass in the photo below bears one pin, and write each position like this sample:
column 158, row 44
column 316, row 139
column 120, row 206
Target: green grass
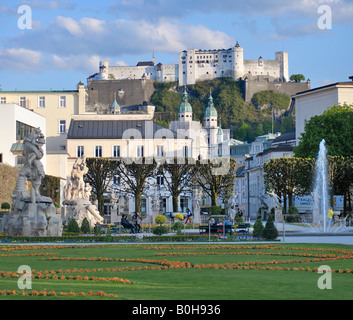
column 189, row 283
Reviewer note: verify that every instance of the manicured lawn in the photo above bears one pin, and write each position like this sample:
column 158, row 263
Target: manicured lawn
column 178, row 271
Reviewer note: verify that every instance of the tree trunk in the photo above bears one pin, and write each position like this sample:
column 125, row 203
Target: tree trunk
column 214, row 197
column 138, row 202
column 175, row 203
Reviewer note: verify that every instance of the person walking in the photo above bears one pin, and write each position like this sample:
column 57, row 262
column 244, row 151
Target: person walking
column 188, row 214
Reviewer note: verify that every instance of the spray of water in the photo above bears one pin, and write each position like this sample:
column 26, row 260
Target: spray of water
column 321, row 195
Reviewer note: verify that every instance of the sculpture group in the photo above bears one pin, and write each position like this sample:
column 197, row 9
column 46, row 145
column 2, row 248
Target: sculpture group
column 31, row 213
column 77, row 194
column 35, row 215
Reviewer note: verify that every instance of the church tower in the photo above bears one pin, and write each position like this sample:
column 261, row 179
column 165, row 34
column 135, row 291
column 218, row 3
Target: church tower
column 211, row 121
column 185, row 111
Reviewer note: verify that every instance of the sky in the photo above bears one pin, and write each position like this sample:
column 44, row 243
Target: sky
column 53, row 45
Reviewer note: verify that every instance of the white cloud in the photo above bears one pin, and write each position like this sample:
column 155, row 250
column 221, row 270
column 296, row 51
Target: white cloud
column 65, row 37
column 80, row 62
column 14, row 59
column 70, row 25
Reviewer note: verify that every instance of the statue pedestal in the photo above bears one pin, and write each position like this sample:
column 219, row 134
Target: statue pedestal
column 30, row 219
column 114, row 216
column 78, row 209
column 196, row 215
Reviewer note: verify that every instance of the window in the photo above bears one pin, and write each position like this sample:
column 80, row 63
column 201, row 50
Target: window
column 62, row 148
column 41, row 102
column 23, row 102
column 2, row 100
column 62, row 126
column 0, row 157
column 184, row 204
column 80, row 151
column 116, row 151
column 139, row 151
column 160, row 151
column 98, row 152
column 143, row 205
column 186, row 151
column 160, row 180
column 116, row 180
column 62, row 102
column 22, row 131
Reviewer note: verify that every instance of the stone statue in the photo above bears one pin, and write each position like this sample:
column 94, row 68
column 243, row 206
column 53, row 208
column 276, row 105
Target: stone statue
column 32, row 214
column 76, row 187
column 77, row 203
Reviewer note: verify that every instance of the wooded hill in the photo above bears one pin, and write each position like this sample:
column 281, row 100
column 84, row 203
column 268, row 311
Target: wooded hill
column 246, row 120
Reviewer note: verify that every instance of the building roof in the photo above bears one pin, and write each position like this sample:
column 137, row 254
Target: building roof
column 185, row 106
column 346, row 83
column 116, row 129
column 285, row 138
column 145, row 64
column 210, row 110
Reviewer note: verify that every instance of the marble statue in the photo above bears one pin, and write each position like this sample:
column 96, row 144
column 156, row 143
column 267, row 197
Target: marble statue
column 31, row 213
column 77, row 194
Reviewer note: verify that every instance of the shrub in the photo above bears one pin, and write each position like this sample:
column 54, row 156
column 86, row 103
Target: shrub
column 160, row 219
column 159, row 230
column 73, row 226
column 85, row 227
column 178, row 226
column 258, row 228
column 293, row 210
column 179, row 216
column 215, row 210
column 270, row 232
column 5, row 206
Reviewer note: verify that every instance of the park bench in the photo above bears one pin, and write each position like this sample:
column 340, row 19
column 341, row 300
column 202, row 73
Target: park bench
column 243, row 228
column 215, row 229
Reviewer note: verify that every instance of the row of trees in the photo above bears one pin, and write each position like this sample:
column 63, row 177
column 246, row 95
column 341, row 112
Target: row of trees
column 289, row 177
column 215, row 178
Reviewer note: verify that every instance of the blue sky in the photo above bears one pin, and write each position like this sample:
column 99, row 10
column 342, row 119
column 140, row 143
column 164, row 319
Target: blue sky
column 68, row 38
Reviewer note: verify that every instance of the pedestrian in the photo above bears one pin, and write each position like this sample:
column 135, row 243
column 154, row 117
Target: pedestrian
column 330, row 216
column 126, row 224
column 135, row 222
column 188, row 214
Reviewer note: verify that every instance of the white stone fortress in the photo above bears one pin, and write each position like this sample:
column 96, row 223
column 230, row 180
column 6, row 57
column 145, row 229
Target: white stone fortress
column 198, row 65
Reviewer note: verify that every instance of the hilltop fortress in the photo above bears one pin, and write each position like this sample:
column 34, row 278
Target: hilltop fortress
column 200, row 65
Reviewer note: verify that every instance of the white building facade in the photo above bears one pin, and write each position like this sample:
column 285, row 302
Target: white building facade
column 16, row 123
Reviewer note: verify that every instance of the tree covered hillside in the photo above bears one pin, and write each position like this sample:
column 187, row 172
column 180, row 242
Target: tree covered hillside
column 246, row 120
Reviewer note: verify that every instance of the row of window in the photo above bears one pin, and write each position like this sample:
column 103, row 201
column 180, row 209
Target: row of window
column 23, row 102
column 140, row 151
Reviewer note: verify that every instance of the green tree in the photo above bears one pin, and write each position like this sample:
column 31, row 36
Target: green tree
column 270, row 232
column 287, row 177
column 341, row 178
column 73, row 226
column 85, row 227
column 258, row 228
column 335, row 125
column 297, row 77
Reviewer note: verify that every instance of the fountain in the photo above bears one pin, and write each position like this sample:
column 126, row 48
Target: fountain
column 321, row 196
